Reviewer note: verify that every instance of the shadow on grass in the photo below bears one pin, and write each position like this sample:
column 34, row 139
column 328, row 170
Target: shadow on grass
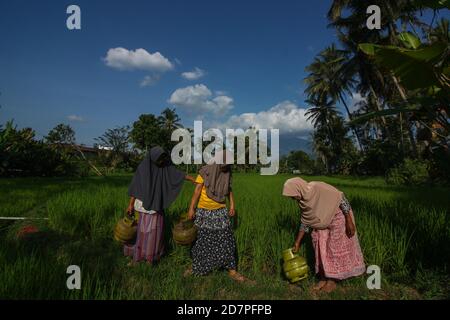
column 35, row 266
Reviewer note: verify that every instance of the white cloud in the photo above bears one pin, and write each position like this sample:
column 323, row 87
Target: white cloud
column 286, row 116
column 75, row 118
column 355, row 100
column 149, row 80
column 199, row 100
column 196, row 74
column 139, row 59
column 220, row 93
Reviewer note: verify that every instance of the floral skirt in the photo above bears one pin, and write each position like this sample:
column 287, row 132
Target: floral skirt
column 215, row 246
column 149, row 244
column 337, row 256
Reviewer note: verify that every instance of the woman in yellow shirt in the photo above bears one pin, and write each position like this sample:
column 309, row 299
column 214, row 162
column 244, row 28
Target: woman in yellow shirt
column 215, row 246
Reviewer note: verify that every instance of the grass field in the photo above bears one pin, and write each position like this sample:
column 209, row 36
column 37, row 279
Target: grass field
column 405, row 231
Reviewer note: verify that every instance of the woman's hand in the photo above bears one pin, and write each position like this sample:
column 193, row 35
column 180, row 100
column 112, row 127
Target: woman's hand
column 296, row 247
column 194, row 200
column 350, row 228
column 232, row 211
column 130, row 208
column 189, row 178
column 191, row 214
column 298, row 240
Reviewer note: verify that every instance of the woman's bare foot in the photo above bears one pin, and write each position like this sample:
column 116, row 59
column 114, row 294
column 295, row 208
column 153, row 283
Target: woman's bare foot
column 188, row 272
column 239, row 277
column 132, row 263
column 318, row 286
column 329, row 287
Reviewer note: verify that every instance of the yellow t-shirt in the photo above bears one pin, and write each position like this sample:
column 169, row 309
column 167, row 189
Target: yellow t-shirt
column 206, row 202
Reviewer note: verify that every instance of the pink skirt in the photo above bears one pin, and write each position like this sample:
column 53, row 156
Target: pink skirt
column 149, row 244
column 337, row 256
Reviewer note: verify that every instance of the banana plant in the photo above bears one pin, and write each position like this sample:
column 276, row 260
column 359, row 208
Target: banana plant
column 423, row 69
column 418, row 66
column 433, row 4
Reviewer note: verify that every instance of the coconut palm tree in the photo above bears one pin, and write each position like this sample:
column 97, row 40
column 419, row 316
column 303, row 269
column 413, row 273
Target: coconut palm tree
column 329, row 75
column 441, row 32
column 352, row 26
column 169, row 120
column 322, row 112
column 372, row 83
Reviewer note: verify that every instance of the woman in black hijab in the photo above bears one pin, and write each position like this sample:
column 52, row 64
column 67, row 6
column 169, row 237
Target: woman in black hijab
column 155, row 185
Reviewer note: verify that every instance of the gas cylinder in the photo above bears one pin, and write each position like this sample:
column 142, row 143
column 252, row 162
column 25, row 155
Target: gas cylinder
column 125, row 229
column 184, row 232
column 294, row 266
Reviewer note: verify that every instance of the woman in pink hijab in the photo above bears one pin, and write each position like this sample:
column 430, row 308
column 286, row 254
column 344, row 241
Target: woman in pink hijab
column 326, row 212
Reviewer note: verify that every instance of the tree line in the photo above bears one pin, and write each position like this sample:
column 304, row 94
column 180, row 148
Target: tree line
column 399, row 128
column 58, row 154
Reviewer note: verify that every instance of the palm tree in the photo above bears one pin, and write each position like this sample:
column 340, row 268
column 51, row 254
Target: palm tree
column 371, row 81
column 392, row 11
column 353, row 26
column 322, row 112
column 329, row 75
column 441, row 32
column 169, row 120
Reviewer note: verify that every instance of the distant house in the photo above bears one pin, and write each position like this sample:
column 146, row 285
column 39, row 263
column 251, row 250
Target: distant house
column 104, row 148
column 89, row 152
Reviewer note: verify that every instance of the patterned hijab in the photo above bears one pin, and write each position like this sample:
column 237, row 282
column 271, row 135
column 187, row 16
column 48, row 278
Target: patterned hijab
column 317, row 200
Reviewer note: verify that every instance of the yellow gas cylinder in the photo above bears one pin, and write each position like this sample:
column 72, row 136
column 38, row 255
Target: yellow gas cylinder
column 125, row 229
column 184, row 232
column 295, row 267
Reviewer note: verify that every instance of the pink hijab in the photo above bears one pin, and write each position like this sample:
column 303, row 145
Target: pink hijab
column 319, row 201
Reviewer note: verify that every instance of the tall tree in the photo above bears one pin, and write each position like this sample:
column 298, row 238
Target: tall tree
column 117, row 139
column 61, row 134
column 146, row 132
column 322, row 112
column 349, row 18
column 328, row 75
column 169, row 120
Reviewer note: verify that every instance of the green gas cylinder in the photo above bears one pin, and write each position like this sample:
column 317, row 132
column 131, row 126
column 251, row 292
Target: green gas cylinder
column 125, row 229
column 294, row 266
column 184, row 232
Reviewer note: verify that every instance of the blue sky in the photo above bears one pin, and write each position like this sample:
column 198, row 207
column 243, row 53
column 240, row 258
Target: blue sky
column 243, row 62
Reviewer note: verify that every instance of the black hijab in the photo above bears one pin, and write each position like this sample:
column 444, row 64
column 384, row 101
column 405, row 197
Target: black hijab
column 156, row 182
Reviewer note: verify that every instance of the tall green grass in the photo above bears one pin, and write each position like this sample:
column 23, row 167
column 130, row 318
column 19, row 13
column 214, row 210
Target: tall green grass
column 403, row 230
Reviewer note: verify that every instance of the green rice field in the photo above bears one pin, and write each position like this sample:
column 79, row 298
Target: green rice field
column 405, row 231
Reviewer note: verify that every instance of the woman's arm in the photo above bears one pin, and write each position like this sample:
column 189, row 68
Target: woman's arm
column 232, row 210
column 350, row 228
column 345, row 207
column 194, row 200
column 189, row 178
column 298, row 240
column 130, row 208
column 301, row 233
